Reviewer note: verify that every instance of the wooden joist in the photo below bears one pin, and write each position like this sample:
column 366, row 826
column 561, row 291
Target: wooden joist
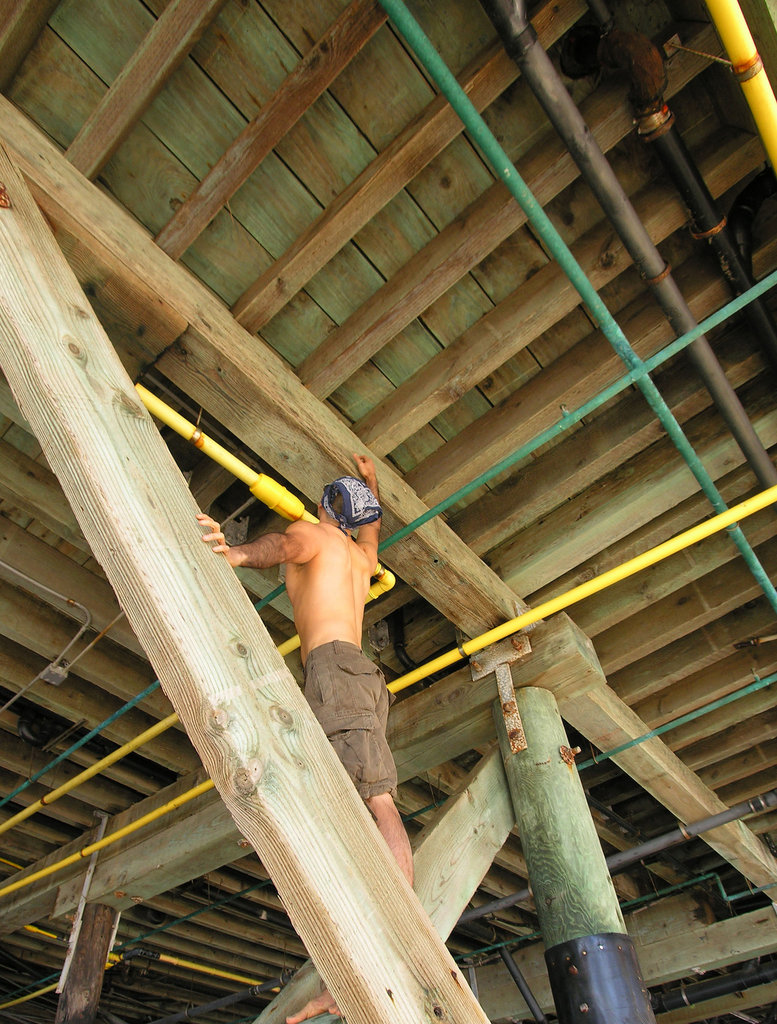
column 314, row 73
column 22, row 23
column 167, row 44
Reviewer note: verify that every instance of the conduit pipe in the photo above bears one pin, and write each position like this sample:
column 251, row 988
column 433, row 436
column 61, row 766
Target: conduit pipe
column 713, row 988
column 744, row 210
column 218, row 1004
column 114, row 837
column 520, row 41
column 643, row 62
column 276, row 497
column 88, row 773
column 617, row 862
column 593, row 586
column 748, row 70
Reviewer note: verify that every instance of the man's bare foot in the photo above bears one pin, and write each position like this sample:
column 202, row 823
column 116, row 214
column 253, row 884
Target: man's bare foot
column 321, row 1004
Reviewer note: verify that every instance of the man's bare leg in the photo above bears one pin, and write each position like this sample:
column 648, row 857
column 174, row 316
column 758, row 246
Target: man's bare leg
column 393, row 831
column 390, row 826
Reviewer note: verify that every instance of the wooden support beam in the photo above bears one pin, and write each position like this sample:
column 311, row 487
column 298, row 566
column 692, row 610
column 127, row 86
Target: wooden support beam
column 241, row 707
column 22, row 23
column 315, row 72
column 168, row 43
column 80, row 997
column 450, row 856
column 218, row 363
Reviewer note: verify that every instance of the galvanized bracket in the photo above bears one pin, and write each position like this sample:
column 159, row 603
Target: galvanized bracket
column 497, row 659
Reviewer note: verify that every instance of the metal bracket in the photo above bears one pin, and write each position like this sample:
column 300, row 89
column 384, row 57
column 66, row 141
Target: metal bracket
column 497, row 659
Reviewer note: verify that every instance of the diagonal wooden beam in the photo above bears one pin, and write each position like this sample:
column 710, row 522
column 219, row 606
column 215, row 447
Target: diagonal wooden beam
column 167, row 44
column 315, row 72
column 241, row 707
column 390, row 171
column 21, row 24
column 477, row 231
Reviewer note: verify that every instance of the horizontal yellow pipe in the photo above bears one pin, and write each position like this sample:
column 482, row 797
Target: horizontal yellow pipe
column 91, row 771
column 216, row 972
column 87, row 851
column 40, row 931
column 593, row 586
column 740, row 47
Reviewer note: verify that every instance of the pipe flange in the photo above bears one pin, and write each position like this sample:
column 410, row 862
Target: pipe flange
column 653, row 126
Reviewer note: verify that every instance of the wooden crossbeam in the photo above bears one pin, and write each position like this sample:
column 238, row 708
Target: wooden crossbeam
column 243, row 710
column 315, row 72
column 168, row 43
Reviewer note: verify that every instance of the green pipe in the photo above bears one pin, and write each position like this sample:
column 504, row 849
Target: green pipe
column 569, row 419
column 759, row 684
column 507, row 172
column 79, row 743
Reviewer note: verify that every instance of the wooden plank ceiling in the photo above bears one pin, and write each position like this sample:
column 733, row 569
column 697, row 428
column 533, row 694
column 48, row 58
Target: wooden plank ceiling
column 288, row 237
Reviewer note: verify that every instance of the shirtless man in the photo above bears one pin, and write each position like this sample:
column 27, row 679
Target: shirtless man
column 327, row 579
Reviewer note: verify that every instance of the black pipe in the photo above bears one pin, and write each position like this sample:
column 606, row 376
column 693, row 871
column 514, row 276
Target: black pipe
column 744, row 210
column 217, row 1004
column 517, row 975
column 712, row 988
column 633, row 53
column 617, row 862
column 520, row 41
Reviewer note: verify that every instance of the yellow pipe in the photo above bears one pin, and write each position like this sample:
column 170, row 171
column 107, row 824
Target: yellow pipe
column 41, row 931
column 204, row 969
column 748, row 70
column 30, row 995
column 269, row 491
column 87, row 851
column 88, row 773
column 606, row 579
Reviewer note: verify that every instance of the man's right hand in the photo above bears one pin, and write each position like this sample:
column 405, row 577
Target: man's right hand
column 215, row 534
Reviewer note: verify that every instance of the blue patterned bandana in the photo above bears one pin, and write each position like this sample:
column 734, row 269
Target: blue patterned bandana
column 360, row 505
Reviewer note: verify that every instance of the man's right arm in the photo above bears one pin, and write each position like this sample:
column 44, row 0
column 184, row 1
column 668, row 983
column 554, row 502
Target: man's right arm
column 296, row 545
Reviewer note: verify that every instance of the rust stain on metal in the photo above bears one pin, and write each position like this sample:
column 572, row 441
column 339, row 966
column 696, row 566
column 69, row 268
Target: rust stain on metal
column 514, row 726
column 5, row 199
column 568, row 754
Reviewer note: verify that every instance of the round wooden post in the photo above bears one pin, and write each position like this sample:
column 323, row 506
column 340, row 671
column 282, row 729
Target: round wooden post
column 592, row 966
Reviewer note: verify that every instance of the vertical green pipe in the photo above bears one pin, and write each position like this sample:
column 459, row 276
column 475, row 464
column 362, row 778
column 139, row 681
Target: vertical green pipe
column 507, row 172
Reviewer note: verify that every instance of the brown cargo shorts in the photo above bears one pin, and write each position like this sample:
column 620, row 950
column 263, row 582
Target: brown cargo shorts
column 348, row 696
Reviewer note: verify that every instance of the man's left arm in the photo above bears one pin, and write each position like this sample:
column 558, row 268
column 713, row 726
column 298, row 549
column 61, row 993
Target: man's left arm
column 369, row 533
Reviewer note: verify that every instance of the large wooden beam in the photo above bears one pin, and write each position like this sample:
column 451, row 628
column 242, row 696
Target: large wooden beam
column 22, row 23
column 241, row 707
column 81, row 994
column 247, row 386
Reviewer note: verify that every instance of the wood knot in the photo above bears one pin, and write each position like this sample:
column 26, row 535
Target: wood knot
column 247, row 778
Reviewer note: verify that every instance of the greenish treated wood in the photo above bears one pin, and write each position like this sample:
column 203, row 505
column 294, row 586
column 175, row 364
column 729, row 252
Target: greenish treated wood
column 573, row 891
column 627, row 498
column 533, row 307
column 23, row 21
column 245, row 714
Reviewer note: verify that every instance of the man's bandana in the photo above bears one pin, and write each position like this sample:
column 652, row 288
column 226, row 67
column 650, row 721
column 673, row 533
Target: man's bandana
column 360, row 505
